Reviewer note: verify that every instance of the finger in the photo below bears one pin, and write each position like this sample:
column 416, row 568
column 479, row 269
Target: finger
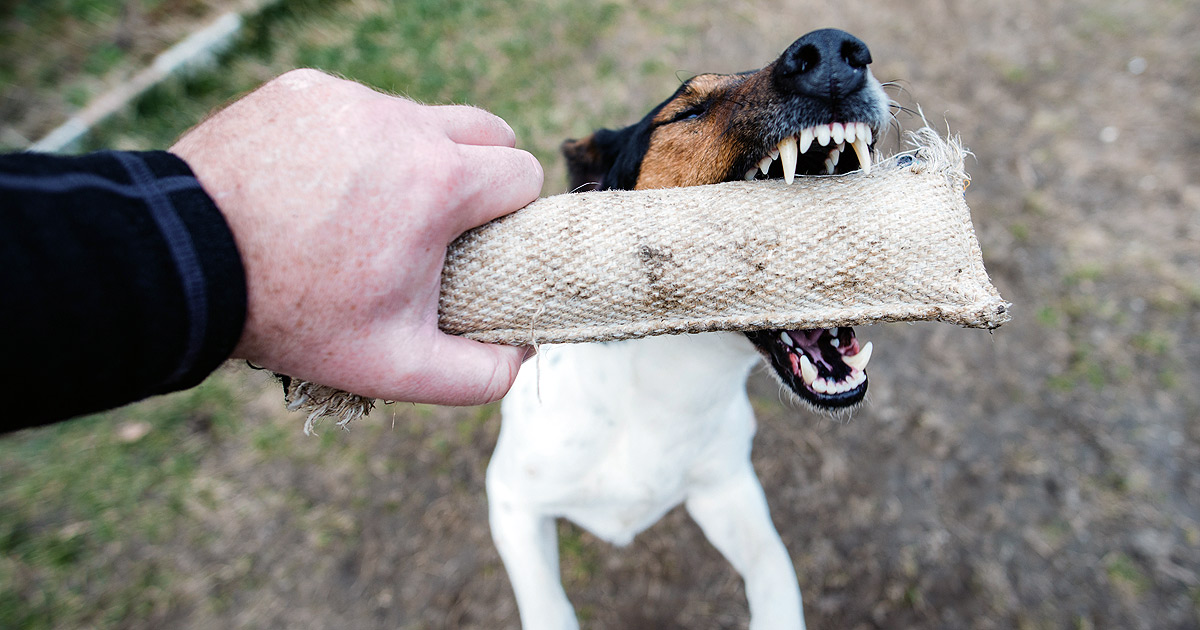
column 501, row 180
column 465, row 372
column 470, row 125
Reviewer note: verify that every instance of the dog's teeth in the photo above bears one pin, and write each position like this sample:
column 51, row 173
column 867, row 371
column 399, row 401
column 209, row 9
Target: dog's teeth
column 830, row 167
column 864, row 132
column 787, row 158
column 764, row 164
column 838, row 132
column 775, row 153
column 859, row 361
column 834, row 155
column 808, row 371
column 749, row 176
column 863, row 151
column 786, row 339
column 851, row 131
column 806, row 138
column 823, row 134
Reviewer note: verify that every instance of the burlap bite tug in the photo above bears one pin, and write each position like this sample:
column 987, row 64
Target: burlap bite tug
column 896, row 244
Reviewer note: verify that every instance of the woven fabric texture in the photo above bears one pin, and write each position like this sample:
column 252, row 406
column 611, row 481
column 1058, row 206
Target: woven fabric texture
column 893, row 245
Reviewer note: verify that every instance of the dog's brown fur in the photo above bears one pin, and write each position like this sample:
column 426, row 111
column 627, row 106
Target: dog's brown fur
column 687, row 150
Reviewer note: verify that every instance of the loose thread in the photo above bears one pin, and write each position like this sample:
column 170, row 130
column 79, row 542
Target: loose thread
column 537, row 353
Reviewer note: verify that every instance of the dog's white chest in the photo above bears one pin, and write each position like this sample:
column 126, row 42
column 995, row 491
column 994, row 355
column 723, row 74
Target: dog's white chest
column 620, row 431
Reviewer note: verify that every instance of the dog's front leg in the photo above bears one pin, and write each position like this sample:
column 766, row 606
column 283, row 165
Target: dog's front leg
column 734, row 516
column 528, row 545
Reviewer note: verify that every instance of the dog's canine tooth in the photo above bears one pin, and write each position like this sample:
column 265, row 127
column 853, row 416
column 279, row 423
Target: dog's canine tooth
column 787, row 158
column 808, row 371
column 863, row 151
column 860, row 360
column 824, row 134
column 806, row 139
column 837, row 132
column 764, row 164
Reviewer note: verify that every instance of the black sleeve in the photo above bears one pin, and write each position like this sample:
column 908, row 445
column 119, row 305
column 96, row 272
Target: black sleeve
column 119, row 279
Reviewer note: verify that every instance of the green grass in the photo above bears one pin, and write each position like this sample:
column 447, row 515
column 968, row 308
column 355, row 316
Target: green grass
column 1126, row 575
column 76, row 492
column 499, row 55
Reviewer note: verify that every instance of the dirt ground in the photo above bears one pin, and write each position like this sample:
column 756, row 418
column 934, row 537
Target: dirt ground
column 1046, row 475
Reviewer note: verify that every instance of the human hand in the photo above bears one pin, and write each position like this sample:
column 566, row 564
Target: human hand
column 342, row 201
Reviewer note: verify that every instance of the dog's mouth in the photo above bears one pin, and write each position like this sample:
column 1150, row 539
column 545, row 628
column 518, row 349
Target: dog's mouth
column 825, row 366
column 831, row 149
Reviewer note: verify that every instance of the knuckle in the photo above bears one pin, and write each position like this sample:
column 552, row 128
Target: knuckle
column 302, row 78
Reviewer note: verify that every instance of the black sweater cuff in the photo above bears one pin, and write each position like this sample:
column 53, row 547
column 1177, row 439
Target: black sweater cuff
column 122, row 280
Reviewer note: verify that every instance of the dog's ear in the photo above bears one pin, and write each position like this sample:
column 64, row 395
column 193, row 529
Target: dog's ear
column 606, row 159
column 589, row 160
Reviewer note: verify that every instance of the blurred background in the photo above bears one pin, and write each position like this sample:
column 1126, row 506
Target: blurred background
column 1046, row 475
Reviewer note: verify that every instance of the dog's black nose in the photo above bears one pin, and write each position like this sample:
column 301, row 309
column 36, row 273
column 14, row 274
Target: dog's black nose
column 827, row 64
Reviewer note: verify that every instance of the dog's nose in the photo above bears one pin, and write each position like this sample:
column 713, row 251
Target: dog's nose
column 827, row 64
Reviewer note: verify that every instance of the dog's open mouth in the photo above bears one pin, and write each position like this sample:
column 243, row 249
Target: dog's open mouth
column 824, row 366
column 830, row 149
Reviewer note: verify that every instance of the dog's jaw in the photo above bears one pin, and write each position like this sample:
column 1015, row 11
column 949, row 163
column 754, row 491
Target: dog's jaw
column 825, row 367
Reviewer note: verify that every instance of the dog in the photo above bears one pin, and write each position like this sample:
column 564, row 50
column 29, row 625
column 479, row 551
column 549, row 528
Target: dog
column 614, row 435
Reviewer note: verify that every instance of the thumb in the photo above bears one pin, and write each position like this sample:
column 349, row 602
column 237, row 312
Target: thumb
column 465, row 372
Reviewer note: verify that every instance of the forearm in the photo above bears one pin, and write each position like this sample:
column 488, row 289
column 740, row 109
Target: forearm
column 120, row 279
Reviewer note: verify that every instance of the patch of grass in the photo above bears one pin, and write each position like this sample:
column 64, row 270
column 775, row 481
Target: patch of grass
column 1153, row 343
column 1083, row 368
column 580, row 560
column 1048, row 316
column 76, row 492
column 1126, row 575
column 498, row 55
column 103, row 58
column 1020, row 231
column 1084, row 273
column 58, row 54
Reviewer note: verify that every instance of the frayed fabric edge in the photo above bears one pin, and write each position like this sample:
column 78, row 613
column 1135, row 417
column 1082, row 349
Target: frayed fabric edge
column 321, row 401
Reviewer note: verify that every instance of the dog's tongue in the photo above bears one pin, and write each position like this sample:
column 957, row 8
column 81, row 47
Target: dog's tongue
column 825, row 366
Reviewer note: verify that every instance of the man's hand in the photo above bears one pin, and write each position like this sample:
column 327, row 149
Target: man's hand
column 342, row 201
